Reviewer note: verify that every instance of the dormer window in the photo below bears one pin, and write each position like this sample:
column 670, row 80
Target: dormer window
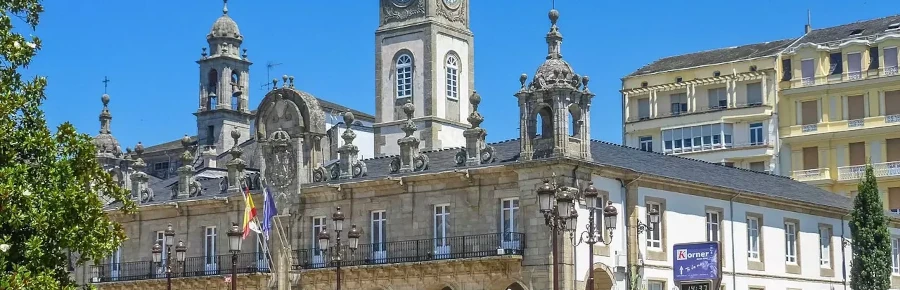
column 644, row 84
column 752, row 68
column 717, row 73
column 856, row 32
column 678, row 79
column 893, row 26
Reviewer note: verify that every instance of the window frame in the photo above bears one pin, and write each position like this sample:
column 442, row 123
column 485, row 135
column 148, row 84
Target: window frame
column 381, row 221
column 404, row 75
column 790, row 242
column 646, row 143
column 451, row 75
column 825, row 249
column 713, row 235
column 654, row 234
column 753, row 135
column 753, row 246
column 210, row 244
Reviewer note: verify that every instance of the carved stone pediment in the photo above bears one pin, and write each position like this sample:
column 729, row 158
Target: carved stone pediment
column 391, row 12
column 457, row 14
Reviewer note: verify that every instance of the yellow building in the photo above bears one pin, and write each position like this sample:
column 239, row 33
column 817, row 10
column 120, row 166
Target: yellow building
column 840, row 106
column 717, row 106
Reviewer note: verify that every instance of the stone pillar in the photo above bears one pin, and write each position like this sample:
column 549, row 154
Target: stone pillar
column 139, row 178
column 186, row 169
column 409, row 145
column 475, row 136
column 633, row 239
column 236, row 165
column 348, row 153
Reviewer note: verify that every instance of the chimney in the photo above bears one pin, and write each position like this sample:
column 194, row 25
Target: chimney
column 808, row 27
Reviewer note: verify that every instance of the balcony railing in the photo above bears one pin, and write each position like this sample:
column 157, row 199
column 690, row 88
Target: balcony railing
column 844, row 77
column 883, row 169
column 697, row 110
column 460, row 247
column 812, row 174
column 856, row 123
column 892, row 118
column 810, row 128
column 192, row 267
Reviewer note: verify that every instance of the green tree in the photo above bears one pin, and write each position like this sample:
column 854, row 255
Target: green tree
column 871, row 266
column 51, row 186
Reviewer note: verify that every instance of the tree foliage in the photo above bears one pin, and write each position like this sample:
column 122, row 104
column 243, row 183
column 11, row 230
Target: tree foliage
column 871, row 266
column 52, row 189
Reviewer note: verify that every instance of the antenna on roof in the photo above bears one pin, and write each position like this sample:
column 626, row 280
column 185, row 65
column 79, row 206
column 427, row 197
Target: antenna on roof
column 268, row 83
column 808, row 26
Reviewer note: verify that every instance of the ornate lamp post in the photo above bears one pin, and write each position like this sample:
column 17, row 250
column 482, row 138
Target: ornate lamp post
column 593, row 234
column 234, row 244
column 557, row 208
column 336, row 253
column 654, row 220
column 168, row 240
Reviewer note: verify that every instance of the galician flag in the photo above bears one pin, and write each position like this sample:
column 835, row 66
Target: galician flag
column 269, row 211
column 249, row 214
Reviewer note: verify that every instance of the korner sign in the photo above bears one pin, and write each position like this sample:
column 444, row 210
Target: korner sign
column 696, row 262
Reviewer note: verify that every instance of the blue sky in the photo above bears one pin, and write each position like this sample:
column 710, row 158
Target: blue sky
column 148, row 50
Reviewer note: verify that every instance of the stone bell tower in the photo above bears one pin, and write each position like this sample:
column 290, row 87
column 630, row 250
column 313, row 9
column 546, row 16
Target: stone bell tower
column 224, row 83
column 555, row 108
column 424, row 56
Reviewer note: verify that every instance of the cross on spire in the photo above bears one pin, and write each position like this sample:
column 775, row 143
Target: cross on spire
column 553, row 4
column 105, row 83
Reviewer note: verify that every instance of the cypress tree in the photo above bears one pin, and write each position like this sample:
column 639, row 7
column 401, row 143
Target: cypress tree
column 871, row 266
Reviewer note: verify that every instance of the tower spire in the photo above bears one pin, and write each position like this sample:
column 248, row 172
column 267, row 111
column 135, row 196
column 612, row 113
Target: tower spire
column 105, row 116
column 225, row 7
column 554, row 37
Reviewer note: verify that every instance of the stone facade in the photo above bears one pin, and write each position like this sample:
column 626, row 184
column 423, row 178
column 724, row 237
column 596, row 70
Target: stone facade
column 459, row 218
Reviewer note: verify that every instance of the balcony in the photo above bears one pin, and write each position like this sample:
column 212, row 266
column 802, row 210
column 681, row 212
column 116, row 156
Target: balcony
column 846, row 77
column 807, row 175
column 461, row 247
column 883, row 169
column 192, row 267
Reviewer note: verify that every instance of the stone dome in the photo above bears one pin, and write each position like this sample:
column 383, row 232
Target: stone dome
column 555, row 71
column 107, row 144
column 225, row 27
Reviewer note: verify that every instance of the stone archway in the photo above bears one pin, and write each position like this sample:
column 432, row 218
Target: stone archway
column 603, row 277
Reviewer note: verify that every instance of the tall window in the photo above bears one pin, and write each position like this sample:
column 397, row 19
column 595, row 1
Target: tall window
column 598, row 214
column 404, row 76
column 656, row 285
column 441, row 228
column 209, row 247
column 895, row 255
column 679, row 103
column 790, row 243
column 643, row 108
column 718, row 98
column 647, row 143
column 808, row 71
column 452, row 67
column 318, row 224
column 753, row 238
column 756, row 134
column 114, row 262
column 509, row 208
column 836, row 64
column 712, row 226
column 890, row 61
column 654, row 239
column 160, row 237
column 825, row 247
column 854, row 66
column 754, row 94
column 379, row 221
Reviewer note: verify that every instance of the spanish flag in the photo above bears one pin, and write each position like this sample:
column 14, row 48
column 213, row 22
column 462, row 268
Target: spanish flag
column 249, row 214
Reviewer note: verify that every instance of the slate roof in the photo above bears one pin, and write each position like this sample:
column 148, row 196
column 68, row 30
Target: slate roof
column 868, row 27
column 608, row 154
column 722, row 55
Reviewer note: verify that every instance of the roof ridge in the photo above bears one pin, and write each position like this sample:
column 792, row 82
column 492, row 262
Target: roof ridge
column 859, row 21
column 686, row 158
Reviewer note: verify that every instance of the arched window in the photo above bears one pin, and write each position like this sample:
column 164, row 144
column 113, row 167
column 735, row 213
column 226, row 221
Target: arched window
column 452, row 68
column 212, row 79
column 515, row 286
column 544, row 123
column 236, row 87
column 575, row 121
column 404, row 76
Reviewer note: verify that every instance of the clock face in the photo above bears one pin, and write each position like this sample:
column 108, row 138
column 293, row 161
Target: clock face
column 452, row 3
column 402, row 3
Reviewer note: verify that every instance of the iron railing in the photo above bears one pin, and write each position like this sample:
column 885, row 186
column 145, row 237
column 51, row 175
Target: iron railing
column 474, row 246
column 192, row 267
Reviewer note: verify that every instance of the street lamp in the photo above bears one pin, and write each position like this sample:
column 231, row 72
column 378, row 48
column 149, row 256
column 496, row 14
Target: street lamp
column 592, row 234
column 234, row 244
column 654, row 220
column 157, row 250
column 559, row 215
column 336, row 253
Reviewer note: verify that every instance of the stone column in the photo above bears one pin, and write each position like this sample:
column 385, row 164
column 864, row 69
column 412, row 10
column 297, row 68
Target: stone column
column 348, row 153
column 474, row 136
column 409, row 145
column 139, row 178
column 236, row 165
column 186, row 170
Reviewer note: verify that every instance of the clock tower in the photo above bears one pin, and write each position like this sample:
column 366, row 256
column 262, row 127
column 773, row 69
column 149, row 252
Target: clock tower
column 423, row 55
